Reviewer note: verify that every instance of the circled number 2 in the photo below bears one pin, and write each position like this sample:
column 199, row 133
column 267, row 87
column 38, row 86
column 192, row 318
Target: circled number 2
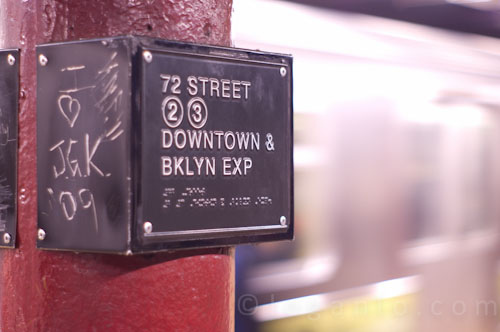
column 173, row 111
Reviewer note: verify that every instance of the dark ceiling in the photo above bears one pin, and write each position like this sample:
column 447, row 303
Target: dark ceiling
column 437, row 13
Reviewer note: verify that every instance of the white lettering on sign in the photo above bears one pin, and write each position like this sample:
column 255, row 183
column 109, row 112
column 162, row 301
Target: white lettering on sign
column 181, row 139
column 236, row 166
column 218, row 88
column 187, row 166
column 199, row 90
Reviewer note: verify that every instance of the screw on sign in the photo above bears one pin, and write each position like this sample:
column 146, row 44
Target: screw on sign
column 11, row 60
column 41, row 234
column 148, row 57
column 148, row 227
column 43, row 60
column 6, row 238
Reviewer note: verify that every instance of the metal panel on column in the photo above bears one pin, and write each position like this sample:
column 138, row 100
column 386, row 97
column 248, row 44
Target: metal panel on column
column 216, row 165
column 147, row 144
column 83, row 145
column 9, row 92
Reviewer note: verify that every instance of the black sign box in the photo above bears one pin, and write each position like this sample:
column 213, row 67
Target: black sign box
column 9, row 92
column 147, row 145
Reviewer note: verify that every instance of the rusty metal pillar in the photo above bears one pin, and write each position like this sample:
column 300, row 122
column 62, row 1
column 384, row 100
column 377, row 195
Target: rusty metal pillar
column 51, row 291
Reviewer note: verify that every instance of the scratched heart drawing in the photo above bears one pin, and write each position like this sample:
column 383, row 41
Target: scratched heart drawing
column 69, row 108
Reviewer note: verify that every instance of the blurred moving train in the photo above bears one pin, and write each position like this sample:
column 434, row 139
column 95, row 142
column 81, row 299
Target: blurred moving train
column 397, row 177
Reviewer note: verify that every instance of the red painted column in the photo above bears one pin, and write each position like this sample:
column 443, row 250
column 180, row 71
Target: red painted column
column 51, row 291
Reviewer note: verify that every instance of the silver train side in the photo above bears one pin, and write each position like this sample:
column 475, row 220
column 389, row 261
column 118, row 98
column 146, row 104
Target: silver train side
column 397, row 180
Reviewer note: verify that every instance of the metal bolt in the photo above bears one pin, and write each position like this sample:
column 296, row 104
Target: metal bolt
column 148, row 227
column 283, row 220
column 41, row 234
column 148, row 57
column 11, row 59
column 43, row 59
column 6, row 238
column 283, row 71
